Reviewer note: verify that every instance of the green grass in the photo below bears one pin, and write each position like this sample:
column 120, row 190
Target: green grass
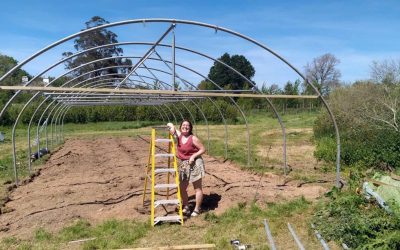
column 110, row 234
column 243, row 222
column 266, row 136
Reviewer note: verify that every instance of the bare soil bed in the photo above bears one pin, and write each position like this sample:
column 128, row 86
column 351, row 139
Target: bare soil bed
column 103, row 178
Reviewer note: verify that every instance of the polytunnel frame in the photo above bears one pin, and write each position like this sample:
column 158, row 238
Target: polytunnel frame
column 186, row 82
column 81, row 52
column 148, row 54
column 51, row 123
column 201, row 75
column 216, row 28
column 51, row 127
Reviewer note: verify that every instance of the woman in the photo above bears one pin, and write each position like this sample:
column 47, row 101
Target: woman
column 191, row 170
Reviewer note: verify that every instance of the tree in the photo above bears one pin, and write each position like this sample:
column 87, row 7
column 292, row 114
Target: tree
column 368, row 116
column 227, row 78
column 291, row 89
column 386, row 72
column 93, row 39
column 322, row 72
column 271, row 90
column 385, row 109
column 204, row 85
column 7, row 63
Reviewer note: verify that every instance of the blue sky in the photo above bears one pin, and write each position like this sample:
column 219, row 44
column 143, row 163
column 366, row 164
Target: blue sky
column 356, row 32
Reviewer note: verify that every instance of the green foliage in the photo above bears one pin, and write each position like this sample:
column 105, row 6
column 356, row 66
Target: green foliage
column 42, row 235
column 7, row 63
column 110, row 234
column 93, row 39
column 351, row 219
column 227, row 78
column 287, row 209
column 326, row 149
column 360, row 111
column 213, row 112
column 206, row 85
column 80, row 230
column 129, row 113
column 244, row 222
column 117, row 234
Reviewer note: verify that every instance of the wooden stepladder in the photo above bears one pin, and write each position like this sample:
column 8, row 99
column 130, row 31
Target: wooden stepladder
column 160, row 168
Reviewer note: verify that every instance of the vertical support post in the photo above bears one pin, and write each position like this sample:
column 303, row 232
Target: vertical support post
column 45, row 133
column 269, row 235
column 319, row 237
column 62, row 125
column 296, row 239
column 13, row 136
column 38, row 124
column 29, row 134
column 173, row 61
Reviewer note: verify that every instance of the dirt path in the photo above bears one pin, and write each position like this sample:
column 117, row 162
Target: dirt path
column 99, row 179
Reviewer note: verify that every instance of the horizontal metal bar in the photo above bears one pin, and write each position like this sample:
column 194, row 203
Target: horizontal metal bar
column 113, row 104
column 179, row 98
column 164, row 92
column 93, row 98
column 117, row 102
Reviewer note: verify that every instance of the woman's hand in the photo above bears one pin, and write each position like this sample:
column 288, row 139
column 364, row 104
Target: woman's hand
column 171, row 128
column 191, row 160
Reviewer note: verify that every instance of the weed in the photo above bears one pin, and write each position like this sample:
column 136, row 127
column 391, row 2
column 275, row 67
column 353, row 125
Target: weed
column 211, row 217
column 351, row 219
column 42, row 235
column 81, row 229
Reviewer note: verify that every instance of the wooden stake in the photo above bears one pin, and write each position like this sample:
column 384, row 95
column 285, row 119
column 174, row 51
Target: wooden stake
column 153, row 92
column 182, row 247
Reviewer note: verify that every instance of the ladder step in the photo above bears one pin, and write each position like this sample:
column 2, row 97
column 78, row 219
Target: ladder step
column 163, row 140
column 165, row 186
column 164, row 170
column 164, row 155
column 176, row 218
column 166, row 202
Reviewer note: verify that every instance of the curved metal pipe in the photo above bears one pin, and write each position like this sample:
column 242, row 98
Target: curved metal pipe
column 37, row 128
column 155, row 78
column 59, row 121
column 91, row 79
column 185, row 81
column 56, row 120
column 29, row 133
column 51, row 117
column 175, row 21
column 208, row 128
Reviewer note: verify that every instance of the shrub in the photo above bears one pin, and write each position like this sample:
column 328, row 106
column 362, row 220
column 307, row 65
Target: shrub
column 359, row 111
column 352, row 219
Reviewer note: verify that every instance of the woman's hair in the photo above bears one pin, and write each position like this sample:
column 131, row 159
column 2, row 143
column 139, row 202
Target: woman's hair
column 190, row 126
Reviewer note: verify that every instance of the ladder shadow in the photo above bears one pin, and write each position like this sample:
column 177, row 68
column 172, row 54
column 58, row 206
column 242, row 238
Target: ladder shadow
column 210, row 201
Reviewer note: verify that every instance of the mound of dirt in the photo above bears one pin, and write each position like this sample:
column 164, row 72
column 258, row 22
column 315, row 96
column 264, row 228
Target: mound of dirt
column 103, row 178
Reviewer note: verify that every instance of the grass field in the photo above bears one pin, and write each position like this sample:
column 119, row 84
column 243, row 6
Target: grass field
column 244, row 221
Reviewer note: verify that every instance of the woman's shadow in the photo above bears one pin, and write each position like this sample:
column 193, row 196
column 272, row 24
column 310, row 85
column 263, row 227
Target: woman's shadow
column 210, row 201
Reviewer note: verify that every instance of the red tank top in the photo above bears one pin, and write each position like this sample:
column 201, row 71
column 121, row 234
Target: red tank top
column 186, row 150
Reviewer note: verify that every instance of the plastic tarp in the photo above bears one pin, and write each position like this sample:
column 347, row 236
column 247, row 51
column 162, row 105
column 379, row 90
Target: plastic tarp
column 383, row 188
